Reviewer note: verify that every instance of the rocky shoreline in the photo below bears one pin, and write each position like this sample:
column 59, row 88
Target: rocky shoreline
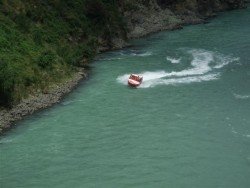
column 39, row 101
column 156, row 17
column 145, row 21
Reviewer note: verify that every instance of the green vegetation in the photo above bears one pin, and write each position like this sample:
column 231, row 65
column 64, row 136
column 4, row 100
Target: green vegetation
column 41, row 42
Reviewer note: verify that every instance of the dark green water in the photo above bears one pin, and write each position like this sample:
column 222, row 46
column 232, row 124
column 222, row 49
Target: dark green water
column 188, row 125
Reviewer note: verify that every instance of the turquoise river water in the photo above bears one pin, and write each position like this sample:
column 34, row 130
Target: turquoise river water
column 187, row 125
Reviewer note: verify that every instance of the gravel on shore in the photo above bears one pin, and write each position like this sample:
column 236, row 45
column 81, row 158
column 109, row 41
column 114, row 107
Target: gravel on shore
column 140, row 23
column 38, row 101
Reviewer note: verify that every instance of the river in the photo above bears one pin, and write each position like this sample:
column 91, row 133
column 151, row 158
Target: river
column 187, row 125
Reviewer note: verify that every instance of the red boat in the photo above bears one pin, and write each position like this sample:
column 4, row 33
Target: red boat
column 134, row 80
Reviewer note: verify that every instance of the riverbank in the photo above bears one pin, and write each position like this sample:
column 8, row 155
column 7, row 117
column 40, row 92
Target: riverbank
column 144, row 21
column 39, row 101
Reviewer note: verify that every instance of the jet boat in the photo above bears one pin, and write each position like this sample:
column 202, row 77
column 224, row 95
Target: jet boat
column 134, row 80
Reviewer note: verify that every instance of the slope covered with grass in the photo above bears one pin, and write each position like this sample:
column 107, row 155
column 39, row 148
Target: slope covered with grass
column 41, row 42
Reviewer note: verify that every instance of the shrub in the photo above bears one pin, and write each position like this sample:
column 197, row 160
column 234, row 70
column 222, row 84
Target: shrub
column 7, row 83
column 46, row 59
column 42, row 41
column 22, row 22
column 38, row 36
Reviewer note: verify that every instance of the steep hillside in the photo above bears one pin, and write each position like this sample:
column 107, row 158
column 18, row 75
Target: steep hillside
column 43, row 41
column 147, row 16
column 44, row 44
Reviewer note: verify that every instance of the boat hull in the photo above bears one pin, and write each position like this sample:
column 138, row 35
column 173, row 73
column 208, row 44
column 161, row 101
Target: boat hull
column 134, row 80
column 133, row 83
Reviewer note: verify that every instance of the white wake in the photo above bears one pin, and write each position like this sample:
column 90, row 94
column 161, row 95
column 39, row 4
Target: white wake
column 203, row 67
column 173, row 60
column 237, row 96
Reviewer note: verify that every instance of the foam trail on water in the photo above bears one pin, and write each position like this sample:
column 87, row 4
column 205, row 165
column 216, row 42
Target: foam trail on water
column 200, row 65
column 224, row 60
column 136, row 53
column 173, row 60
column 177, row 81
column 237, row 96
column 147, row 76
column 200, row 70
column 145, row 54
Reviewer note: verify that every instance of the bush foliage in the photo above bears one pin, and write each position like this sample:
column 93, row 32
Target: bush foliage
column 41, row 41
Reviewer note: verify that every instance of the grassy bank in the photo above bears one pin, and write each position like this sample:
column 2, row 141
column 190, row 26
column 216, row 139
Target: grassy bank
column 41, row 42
